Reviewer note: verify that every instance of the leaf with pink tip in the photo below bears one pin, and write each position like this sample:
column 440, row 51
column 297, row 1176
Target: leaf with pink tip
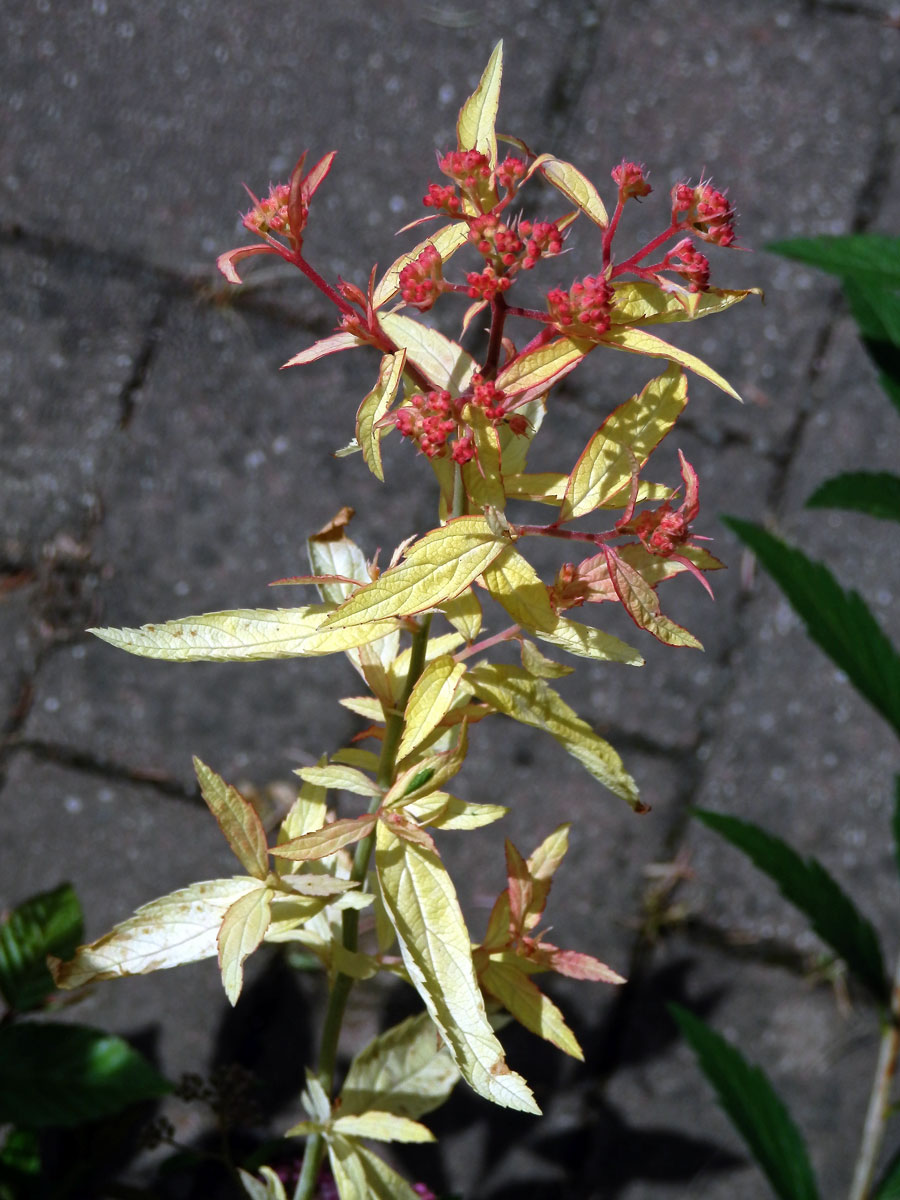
column 641, row 603
column 328, row 840
column 636, row 341
column 535, row 372
column 623, row 443
column 242, row 930
column 225, row 262
column 577, row 188
column 319, row 349
column 238, row 820
column 475, row 128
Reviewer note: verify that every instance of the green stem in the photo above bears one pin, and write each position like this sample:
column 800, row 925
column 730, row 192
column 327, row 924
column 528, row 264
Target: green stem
column 880, row 1098
column 340, row 991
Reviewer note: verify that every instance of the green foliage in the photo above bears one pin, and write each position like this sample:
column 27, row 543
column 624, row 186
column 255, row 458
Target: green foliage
column 889, row 1185
column 838, row 620
column 868, row 257
column 754, row 1108
column 49, row 923
column 875, row 493
column 809, row 887
column 58, row 1075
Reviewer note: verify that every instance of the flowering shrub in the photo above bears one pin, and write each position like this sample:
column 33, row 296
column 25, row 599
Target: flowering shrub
column 472, row 422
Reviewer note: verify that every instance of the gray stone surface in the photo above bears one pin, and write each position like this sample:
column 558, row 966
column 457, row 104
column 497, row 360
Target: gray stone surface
column 154, row 463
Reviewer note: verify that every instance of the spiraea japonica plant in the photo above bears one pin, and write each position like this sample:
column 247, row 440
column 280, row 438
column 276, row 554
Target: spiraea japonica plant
column 435, row 665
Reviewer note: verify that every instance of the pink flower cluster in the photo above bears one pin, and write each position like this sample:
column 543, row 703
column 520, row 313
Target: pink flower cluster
column 421, row 281
column 585, row 308
column 431, row 419
column 707, row 211
column 269, row 215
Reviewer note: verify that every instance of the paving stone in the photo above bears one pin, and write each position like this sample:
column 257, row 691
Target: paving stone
column 83, row 329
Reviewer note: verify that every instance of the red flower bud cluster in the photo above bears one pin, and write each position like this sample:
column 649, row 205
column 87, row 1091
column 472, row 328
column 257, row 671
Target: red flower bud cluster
column 510, row 171
column 544, row 240
column 428, row 420
column 421, row 281
column 270, row 215
column 688, row 262
column 705, row 210
column 630, row 180
column 467, row 168
column 443, row 197
column 484, row 285
column 495, row 240
column 586, row 307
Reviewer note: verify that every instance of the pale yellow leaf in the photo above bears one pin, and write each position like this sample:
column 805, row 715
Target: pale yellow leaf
column 243, row 928
column 514, row 447
column 245, row 635
column 547, row 486
column 532, row 701
column 428, row 773
column 443, row 361
column 442, row 811
column 478, row 116
column 306, row 814
column 623, row 443
column 374, row 407
column 238, row 820
column 382, row 1127
column 175, row 929
column 536, row 663
column 637, row 341
column 530, row 1006
column 436, row 568
column 366, row 707
column 577, row 188
column 429, row 702
column 464, row 614
column 317, row 885
column 407, row 1070
column 445, row 644
column 322, row 842
column 362, row 1175
column 353, row 756
column 424, row 910
column 589, row 642
column 339, row 777
column 514, row 583
column 446, row 241
column 271, row 1189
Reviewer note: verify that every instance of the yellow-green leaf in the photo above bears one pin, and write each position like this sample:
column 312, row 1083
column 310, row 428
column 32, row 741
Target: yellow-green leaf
column 637, row 341
column 436, row 568
column 536, row 663
column 340, row 777
column 464, row 614
column 511, row 690
column 481, row 475
column 530, row 1007
column 306, row 814
column 382, row 1127
column 534, row 373
column 442, row 360
column 331, row 552
column 179, row 928
column 548, row 486
column 642, row 303
column 322, row 842
column 445, row 644
column 329, row 345
column 366, row 707
column 478, row 116
column 577, row 188
column 245, row 635
column 446, row 241
column 543, row 864
column 425, row 775
column 442, row 811
column 424, row 910
column 243, row 928
column 238, row 820
column 429, row 702
column 623, row 443
column 514, row 583
column 407, row 1070
column 373, row 408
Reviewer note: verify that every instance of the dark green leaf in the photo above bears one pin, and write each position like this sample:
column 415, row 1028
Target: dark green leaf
column 868, row 257
column 754, row 1109
column 52, row 1074
column 809, row 887
column 49, row 923
column 21, row 1152
column 876, row 493
column 889, row 1185
column 877, row 313
column 837, row 620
